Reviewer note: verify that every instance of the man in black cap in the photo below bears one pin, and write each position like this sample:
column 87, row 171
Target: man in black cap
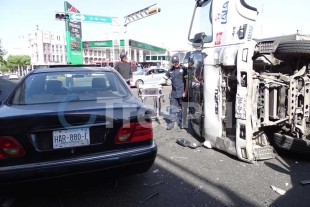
column 178, row 76
column 124, row 68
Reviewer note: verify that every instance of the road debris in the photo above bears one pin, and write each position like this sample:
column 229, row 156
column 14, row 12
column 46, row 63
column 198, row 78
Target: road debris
column 278, row 190
column 155, row 171
column 158, row 183
column 179, row 157
column 305, row 182
column 152, row 195
column 186, row 143
column 207, row 144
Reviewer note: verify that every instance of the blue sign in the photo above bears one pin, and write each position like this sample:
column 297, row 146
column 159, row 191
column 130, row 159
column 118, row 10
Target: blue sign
column 90, row 18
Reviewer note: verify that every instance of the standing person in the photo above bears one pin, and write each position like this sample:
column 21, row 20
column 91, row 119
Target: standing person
column 134, row 66
column 178, row 76
column 69, row 80
column 124, row 68
column 139, row 68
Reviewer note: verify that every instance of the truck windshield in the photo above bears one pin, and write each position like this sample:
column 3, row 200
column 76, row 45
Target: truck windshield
column 202, row 21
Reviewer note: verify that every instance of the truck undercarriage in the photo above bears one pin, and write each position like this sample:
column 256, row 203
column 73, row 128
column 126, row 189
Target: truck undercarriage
column 251, row 95
column 284, row 86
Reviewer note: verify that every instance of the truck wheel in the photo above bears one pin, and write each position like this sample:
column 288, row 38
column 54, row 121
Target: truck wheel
column 293, row 48
column 292, row 144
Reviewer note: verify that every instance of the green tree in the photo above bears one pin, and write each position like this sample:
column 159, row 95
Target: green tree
column 13, row 62
column 4, row 67
column 25, row 60
column 18, row 62
column 2, row 53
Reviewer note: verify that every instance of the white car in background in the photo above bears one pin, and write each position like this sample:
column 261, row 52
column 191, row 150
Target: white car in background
column 149, row 76
column 13, row 76
column 1, row 76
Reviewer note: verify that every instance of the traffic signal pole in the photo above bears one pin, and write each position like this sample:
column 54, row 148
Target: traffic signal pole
column 141, row 14
column 86, row 18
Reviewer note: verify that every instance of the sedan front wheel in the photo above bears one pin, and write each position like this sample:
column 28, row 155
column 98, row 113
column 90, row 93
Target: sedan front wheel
column 168, row 82
column 139, row 82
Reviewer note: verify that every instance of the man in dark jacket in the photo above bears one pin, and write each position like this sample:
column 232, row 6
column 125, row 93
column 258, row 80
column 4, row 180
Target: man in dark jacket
column 124, row 68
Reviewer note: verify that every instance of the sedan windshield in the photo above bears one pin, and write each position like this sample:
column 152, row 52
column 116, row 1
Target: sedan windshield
column 56, row 87
column 138, row 73
column 202, row 21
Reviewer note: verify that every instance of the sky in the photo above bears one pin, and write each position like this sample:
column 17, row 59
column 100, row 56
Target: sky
column 169, row 28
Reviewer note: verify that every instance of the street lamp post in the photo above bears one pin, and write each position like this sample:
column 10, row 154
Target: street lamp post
column 141, row 14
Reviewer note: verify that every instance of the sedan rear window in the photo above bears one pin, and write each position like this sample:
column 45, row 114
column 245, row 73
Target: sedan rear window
column 56, row 87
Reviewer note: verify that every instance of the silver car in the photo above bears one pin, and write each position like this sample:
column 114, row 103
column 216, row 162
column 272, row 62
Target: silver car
column 149, row 76
column 13, row 76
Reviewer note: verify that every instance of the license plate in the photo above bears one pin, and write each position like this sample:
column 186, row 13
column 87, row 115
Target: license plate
column 71, row 138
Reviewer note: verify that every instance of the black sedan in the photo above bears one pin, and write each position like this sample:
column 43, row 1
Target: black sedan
column 73, row 120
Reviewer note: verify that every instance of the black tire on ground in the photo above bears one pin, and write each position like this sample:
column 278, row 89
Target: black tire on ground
column 291, row 144
column 293, row 48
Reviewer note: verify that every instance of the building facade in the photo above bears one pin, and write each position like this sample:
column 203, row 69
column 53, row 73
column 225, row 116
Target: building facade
column 47, row 48
column 109, row 50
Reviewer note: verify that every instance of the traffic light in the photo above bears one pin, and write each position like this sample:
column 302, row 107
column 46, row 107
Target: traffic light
column 62, row 16
column 153, row 10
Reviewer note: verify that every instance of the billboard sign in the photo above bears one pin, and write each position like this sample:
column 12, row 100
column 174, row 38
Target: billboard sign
column 73, row 37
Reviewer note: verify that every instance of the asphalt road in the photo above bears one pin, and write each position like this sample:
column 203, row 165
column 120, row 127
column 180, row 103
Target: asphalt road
column 187, row 177
column 6, row 86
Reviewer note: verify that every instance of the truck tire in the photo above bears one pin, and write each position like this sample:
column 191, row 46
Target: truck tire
column 292, row 144
column 290, row 48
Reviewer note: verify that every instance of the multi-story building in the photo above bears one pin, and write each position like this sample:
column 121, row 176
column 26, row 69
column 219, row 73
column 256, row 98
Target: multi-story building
column 20, row 47
column 94, row 51
column 47, row 48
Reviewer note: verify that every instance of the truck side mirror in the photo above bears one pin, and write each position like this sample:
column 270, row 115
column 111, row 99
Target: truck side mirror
column 198, row 39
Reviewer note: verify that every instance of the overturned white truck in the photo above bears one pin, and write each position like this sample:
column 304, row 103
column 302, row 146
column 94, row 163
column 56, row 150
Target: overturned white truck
column 251, row 93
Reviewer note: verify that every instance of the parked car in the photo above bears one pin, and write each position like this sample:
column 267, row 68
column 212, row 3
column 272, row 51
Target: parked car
column 6, row 74
column 149, row 76
column 13, row 76
column 1, row 75
column 48, row 130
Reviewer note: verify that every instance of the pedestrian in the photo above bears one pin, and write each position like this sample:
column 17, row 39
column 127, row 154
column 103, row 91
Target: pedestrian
column 139, row 68
column 124, row 68
column 178, row 76
column 69, row 80
column 134, row 66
